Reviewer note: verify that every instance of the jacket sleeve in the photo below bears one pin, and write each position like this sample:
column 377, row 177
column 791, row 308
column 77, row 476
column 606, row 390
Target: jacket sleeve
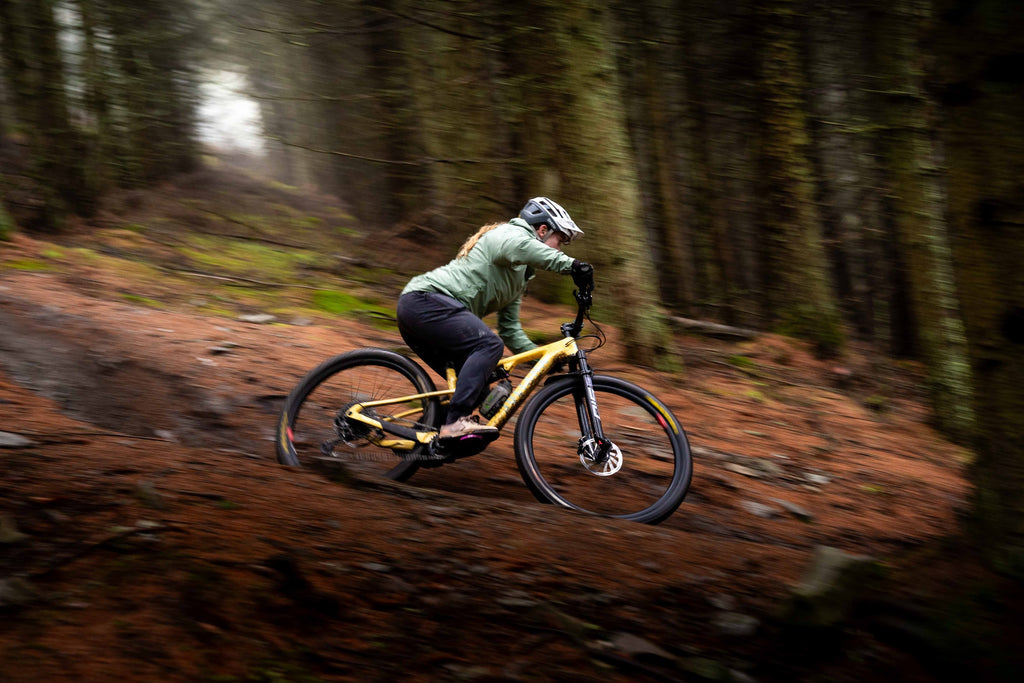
column 511, row 330
column 519, row 249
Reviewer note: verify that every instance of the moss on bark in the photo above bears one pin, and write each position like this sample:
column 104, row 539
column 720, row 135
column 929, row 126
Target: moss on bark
column 918, row 201
column 985, row 152
column 599, row 172
column 803, row 303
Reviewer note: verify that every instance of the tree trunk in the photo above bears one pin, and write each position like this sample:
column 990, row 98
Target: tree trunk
column 527, row 54
column 800, row 289
column 264, row 75
column 837, row 38
column 715, row 132
column 35, row 71
column 157, row 88
column 7, row 116
column 654, row 92
column 459, row 116
column 403, row 176
column 599, row 172
column 105, row 147
column 918, row 204
column 984, row 141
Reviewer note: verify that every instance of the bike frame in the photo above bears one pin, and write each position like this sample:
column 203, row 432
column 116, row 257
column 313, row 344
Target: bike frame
column 545, row 356
column 592, row 437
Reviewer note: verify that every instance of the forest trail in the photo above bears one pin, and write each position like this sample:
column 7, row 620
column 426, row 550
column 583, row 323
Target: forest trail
column 148, row 533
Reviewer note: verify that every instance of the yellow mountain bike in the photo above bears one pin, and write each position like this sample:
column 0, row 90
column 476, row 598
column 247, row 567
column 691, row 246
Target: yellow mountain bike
column 584, row 441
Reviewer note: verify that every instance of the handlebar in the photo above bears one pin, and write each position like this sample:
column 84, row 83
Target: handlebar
column 584, row 300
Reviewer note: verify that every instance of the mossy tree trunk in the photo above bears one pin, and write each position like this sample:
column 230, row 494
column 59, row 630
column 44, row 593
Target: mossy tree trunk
column 156, row 88
column 267, row 74
column 532, row 90
column 599, row 172
column 917, row 205
column 105, row 145
column 984, row 106
column 733, row 245
column 6, row 105
column 654, row 93
column 462, row 101
column 850, row 204
column 352, row 108
column 35, row 72
column 403, row 172
column 799, row 283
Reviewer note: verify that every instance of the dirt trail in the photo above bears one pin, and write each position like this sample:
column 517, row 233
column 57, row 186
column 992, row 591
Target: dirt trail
column 149, row 534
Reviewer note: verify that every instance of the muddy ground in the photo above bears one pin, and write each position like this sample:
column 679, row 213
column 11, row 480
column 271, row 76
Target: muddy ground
column 148, row 533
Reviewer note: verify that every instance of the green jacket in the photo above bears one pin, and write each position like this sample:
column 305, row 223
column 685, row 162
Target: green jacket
column 493, row 276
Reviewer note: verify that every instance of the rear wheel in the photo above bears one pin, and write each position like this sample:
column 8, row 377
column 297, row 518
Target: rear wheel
column 642, row 474
column 312, row 430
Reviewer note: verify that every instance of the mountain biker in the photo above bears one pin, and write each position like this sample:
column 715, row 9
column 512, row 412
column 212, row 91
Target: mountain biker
column 439, row 312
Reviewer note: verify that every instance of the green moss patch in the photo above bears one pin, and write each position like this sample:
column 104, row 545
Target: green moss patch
column 7, row 226
column 742, row 362
column 351, row 306
column 28, row 264
column 227, row 256
column 142, row 300
column 338, row 303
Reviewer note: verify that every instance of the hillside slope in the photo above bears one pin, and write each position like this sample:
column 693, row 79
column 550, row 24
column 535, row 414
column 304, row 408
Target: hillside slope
column 148, row 534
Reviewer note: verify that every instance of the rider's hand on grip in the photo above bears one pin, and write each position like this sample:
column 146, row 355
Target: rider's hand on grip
column 583, row 276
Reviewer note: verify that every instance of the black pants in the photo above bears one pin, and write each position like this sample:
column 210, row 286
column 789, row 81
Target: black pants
column 444, row 332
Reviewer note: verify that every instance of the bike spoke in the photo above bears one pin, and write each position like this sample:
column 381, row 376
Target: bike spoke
column 321, row 435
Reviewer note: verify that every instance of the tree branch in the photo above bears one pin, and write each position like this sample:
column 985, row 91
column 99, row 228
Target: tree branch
column 398, row 162
column 442, row 29
column 710, row 329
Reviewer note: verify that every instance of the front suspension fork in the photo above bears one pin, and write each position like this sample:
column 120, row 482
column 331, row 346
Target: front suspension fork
column 587, row 413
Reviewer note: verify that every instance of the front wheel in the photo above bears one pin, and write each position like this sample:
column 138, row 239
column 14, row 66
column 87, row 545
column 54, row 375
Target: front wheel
column 312, row 430
column 646, row 471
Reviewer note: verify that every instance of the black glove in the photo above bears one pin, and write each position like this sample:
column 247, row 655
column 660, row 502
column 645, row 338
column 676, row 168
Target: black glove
column 583, row 275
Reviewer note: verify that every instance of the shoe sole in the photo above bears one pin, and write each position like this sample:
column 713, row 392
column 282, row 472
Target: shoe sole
column 472, row 435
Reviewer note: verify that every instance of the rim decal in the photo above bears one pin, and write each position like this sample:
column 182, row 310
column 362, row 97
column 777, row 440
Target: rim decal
column 663, row 416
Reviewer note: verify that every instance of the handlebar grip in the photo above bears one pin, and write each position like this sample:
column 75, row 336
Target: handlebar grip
column 583, row 275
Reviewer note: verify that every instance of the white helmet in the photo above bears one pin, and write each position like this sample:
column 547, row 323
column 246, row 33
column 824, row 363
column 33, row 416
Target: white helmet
column 542, row 210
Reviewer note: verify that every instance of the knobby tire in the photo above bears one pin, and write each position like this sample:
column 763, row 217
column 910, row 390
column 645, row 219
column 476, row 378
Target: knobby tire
column 308, row 417
column 656, row 461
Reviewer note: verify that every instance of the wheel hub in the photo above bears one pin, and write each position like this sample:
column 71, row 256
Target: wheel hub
column 596, row 464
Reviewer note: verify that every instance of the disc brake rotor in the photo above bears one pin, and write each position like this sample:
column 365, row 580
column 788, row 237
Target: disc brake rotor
column 589, row 450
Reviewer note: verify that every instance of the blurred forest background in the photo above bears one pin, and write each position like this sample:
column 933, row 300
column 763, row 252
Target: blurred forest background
column 844, row 171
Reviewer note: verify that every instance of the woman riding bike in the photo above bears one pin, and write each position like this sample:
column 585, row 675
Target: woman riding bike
column 439, row 312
